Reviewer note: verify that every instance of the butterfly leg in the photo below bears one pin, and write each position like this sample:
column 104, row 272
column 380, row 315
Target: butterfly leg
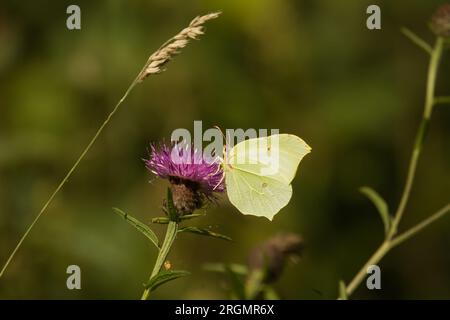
column 221, row 180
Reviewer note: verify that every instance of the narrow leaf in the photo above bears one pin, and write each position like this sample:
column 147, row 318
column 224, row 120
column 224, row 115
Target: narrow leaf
column 380, row 204
column 161, row 220
column 165, row 220
column 342, row 291
column 204, row 232
column 417, row 40
column 163, row 277
column 143, row 228
column 237, row 284
column 191, row 216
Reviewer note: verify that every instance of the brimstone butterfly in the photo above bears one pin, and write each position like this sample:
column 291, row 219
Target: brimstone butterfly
column 258, row 173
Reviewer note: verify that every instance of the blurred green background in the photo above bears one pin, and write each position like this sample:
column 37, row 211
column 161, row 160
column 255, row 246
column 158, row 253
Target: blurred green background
column 307, row 67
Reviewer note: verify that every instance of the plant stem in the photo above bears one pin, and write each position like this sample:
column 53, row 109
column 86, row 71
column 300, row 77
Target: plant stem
column 171, row 233
column 432, row 76
column 421, row 133
column 420, row 226
column 390, row 241
column 374, row 259
column 70, row 172
column 417, row 40
column 387, row 245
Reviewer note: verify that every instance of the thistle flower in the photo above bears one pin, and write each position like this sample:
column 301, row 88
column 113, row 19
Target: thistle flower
column 440, row 22
column 193, row 179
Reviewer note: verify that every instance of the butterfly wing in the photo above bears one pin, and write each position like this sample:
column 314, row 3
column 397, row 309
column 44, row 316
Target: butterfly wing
column 276, row 156
column 256, row 195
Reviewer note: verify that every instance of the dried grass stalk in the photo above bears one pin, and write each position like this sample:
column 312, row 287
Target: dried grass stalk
column 173, row 46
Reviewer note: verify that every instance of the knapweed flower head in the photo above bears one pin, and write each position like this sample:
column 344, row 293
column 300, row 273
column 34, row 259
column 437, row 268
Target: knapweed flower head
column 440, row 22
column 193, row 178
column 271, row 255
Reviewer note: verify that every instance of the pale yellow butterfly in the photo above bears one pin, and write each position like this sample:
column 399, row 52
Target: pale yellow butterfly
column 258, row 173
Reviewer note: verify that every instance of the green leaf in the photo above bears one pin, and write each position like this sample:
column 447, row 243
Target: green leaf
column 165, row 220
column 191, row 216
column 204, row 232
column 237, row 284
column 380, row 204
column 172, row 212
column 163, row 277
column 270, row 293
column 342, row 291
column 222, row 268
column 254, row 284
column 161, row 220
column 417, row 40
column 141, row 227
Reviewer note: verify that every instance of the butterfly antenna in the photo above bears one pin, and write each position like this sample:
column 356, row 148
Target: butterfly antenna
column 218, row 128
column 226, row 142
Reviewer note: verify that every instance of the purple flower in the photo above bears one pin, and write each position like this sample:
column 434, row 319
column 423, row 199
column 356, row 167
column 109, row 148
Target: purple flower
column 193, row 178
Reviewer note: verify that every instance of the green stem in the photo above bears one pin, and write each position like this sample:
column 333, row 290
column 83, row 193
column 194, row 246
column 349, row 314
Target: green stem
column 390, row 241
column 171, row 233
column 254, row 284
column 388, row 244
column 432, row 76
column 417, row 40
column 374, row 259
column 420, row 226
column 421, row 133
column 70, row 172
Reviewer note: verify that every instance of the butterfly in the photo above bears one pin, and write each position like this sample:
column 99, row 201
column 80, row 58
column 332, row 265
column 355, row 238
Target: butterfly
column 258, row 173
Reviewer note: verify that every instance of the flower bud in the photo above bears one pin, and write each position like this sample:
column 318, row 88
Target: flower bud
column 271, row 255
column 440, row 22
column 186, row 196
